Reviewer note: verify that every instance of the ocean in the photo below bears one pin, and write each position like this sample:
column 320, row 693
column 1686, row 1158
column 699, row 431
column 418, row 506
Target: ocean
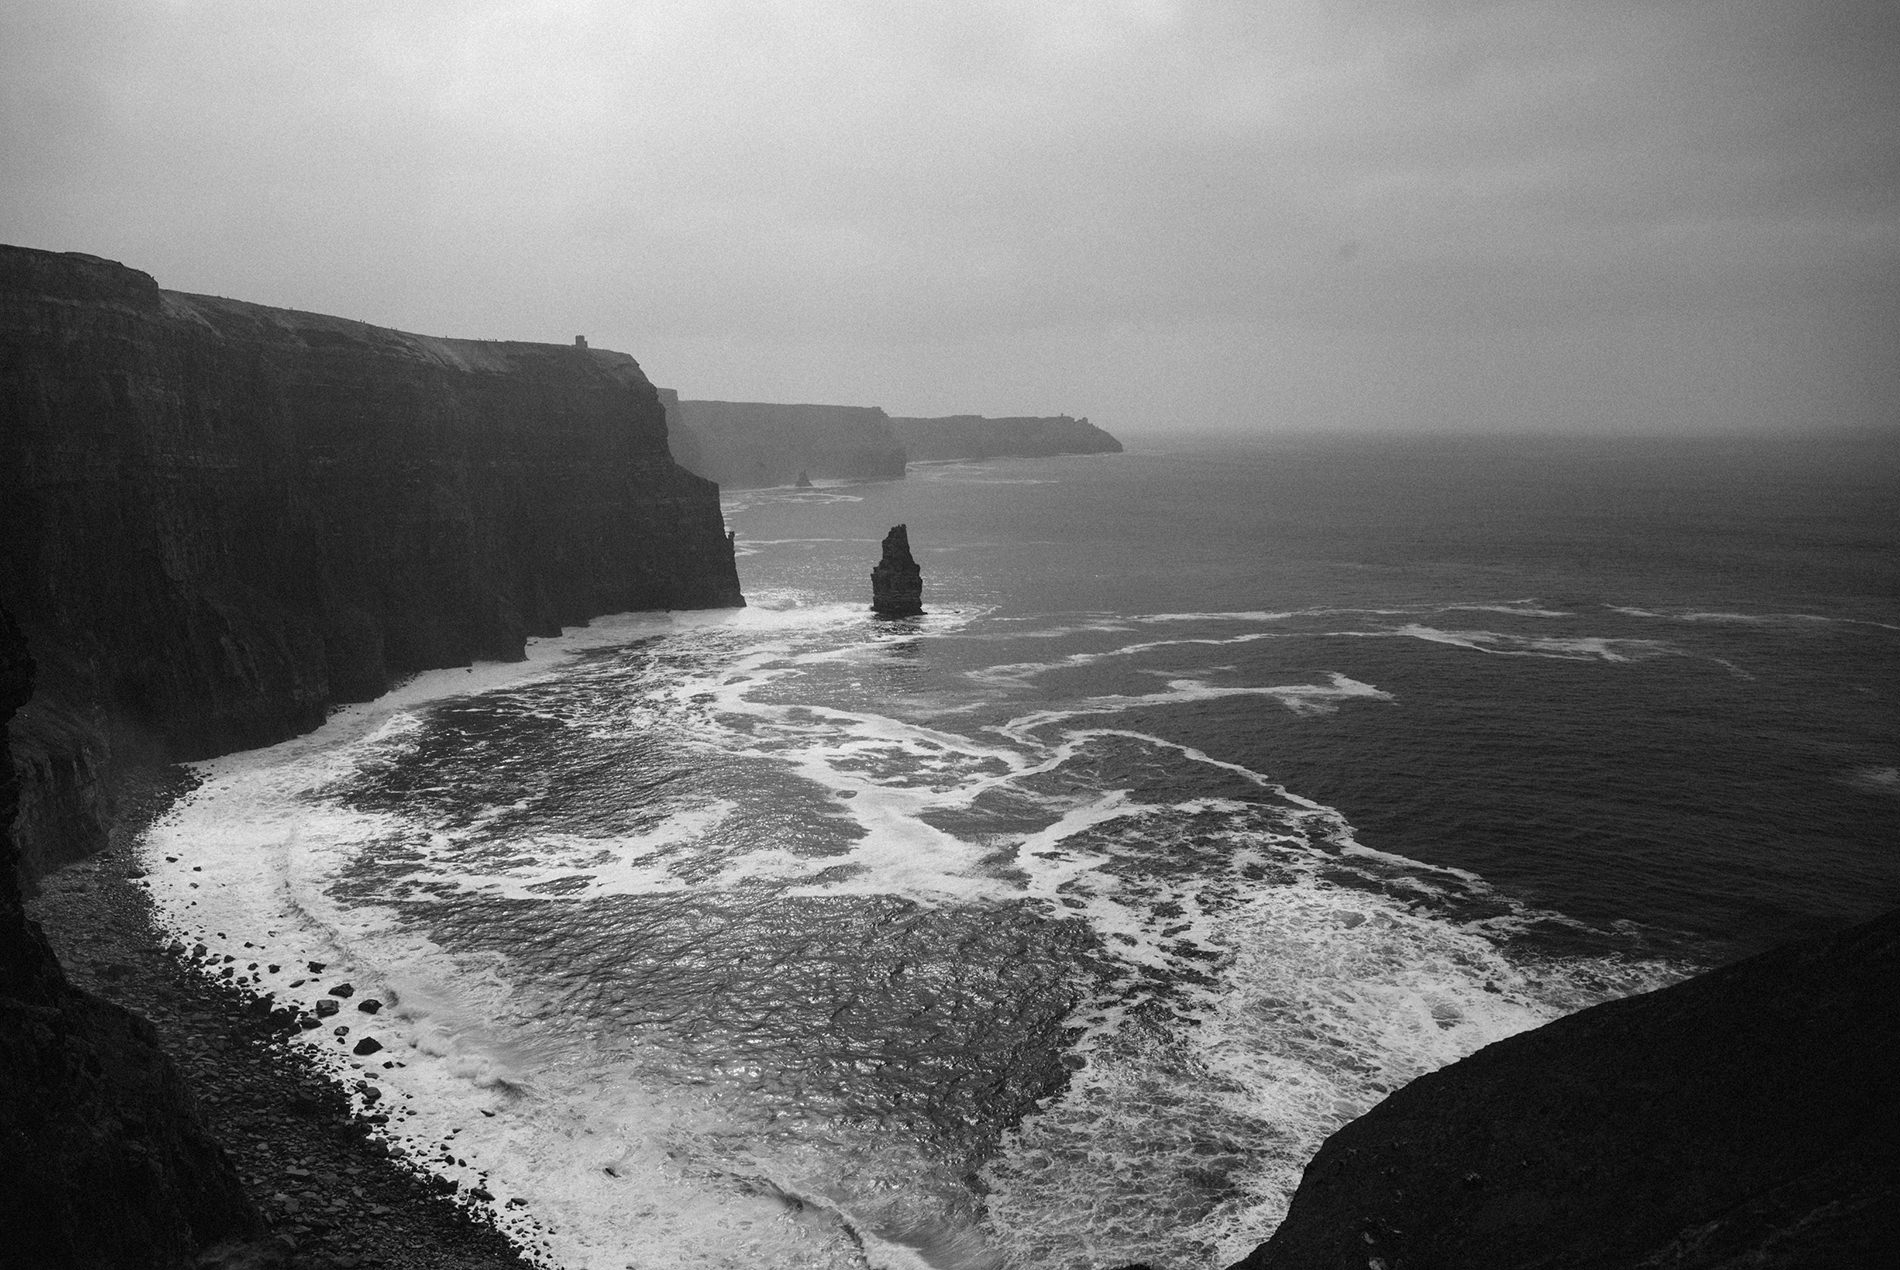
column 1222, row 789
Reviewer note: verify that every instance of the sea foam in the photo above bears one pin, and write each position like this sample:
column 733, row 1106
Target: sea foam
column 732, row 1021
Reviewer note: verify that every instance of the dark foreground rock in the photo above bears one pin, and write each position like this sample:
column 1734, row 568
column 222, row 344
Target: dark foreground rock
column 1747, row 1117
column 897, row 584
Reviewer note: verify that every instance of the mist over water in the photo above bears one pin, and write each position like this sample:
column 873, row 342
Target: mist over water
column 1217, row 795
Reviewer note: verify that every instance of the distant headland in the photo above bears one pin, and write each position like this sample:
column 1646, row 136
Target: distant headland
column 757, row 444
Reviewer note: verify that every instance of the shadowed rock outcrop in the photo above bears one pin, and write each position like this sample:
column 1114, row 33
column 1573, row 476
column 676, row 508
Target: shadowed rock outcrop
column 218, row 519
column 975, row 437
column 754, row 444
column 104, row 1162
column 1745, row 1117
column 897, row 584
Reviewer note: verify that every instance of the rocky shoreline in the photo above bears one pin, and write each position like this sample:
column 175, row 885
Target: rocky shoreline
column 332, row 1195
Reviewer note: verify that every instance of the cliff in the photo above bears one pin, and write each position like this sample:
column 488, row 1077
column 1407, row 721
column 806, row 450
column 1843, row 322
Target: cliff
column 104, row 1161
column 1746, row 1117
column 753, row 444
column 974, row 437
column 218, row 520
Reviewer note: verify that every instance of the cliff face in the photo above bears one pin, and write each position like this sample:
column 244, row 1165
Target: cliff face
column 1746, row 1117
column 975, row 437
column 219, row 519
column 103, row 1159
column 752, row 444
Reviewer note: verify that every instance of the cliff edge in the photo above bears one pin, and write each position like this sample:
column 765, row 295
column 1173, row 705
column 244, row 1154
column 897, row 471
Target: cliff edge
column 220, row 519
column 1745, row 1117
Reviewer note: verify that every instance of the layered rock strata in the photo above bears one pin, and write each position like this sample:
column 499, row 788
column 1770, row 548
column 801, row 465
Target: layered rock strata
column 1745, row 1117
column 897, row 584
column 756, row 444
column 975, row 437
column 218, row 519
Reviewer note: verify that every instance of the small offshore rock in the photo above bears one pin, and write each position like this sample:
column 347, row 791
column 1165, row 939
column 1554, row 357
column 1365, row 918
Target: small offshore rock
column 369, row 1005
column 368, row 1045
column 342, row 990
column 326, row 1007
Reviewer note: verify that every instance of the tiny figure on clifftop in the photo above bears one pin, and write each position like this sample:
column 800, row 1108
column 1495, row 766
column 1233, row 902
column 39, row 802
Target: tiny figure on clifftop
column 897, row 584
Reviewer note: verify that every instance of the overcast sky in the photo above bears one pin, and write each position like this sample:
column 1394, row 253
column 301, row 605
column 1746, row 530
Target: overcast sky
column 1630, row 215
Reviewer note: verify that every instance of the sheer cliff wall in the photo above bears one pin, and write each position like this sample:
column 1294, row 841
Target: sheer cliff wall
column 218, row 519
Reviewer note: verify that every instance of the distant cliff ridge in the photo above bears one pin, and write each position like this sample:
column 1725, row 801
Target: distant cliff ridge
column 218, row 519
column 975, row 437
column 754, row 444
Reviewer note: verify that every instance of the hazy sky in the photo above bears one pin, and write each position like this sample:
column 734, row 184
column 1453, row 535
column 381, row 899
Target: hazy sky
column 1237, row 214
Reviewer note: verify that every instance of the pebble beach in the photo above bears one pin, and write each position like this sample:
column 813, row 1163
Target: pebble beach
column 331, row 1193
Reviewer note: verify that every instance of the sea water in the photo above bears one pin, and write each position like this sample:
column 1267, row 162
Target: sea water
column 1220, row 791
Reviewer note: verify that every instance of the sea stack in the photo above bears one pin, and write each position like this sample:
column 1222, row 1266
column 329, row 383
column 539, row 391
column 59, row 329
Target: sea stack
column 897, row 584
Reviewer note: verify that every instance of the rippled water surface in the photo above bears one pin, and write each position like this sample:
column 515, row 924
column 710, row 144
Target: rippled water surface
column 1218, row 793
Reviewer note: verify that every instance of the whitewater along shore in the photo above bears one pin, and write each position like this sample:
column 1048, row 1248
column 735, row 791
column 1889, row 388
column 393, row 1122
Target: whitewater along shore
column 332, row 1195
column 219, row 521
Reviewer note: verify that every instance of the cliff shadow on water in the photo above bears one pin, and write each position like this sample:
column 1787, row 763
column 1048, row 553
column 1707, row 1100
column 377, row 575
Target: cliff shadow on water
column 218, row 520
